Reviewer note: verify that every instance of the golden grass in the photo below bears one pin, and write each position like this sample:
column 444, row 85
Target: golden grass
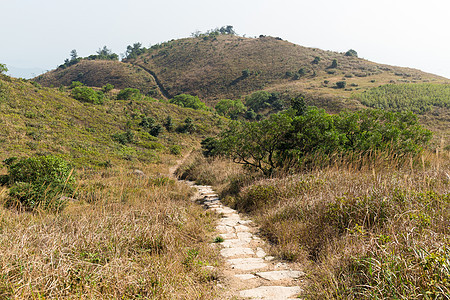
column 363, row 229
column 125, row 237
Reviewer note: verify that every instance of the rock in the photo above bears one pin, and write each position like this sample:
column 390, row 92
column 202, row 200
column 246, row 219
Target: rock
column 139, row 173
column 244, row 235
column 269, row 258
column 271, row 292
column 237, row 251
column 235, row 243
column 260, row 252
column 280, row 275
column 228, row 235
column 245, row 276
column 241, row 228
column 224, row 229
column 247, row 264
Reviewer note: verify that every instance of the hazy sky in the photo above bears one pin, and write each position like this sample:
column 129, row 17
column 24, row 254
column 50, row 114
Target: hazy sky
column 409, row 33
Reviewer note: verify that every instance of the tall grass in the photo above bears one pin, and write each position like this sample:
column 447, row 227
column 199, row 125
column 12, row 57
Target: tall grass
column 125, row 237
column 365, row 228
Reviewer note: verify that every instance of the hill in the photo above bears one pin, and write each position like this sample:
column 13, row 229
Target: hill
column 97, row 73
column 229, row 66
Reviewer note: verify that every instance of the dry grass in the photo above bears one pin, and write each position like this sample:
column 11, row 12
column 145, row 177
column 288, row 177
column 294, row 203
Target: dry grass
column 126, row 237
column 363, row 230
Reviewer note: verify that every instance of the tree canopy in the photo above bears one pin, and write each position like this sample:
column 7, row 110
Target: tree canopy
column 289, row 137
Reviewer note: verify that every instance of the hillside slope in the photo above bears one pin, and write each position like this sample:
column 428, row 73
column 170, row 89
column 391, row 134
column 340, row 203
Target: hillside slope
column 37, row 120
column 97, row 73
column 232, row 66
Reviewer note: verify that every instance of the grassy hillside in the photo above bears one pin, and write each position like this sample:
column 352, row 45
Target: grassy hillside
column 123, row 235
column 44, row 120
column 231, row 66
column 98, row 73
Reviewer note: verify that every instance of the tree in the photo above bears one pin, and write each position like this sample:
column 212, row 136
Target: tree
column 341, row 84
column 129, row 94
column 230, row 108
column 134, row 51
column 169, row 124
column 107, row 88
column 185, row 100
column 316, row 60
column 288, row 138
column 351, row 52
column 3, row 69
column 299, row 105
column 73, row 55
column 334, row 64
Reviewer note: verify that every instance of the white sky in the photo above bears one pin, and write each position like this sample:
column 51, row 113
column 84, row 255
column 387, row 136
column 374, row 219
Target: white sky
column 409, row 33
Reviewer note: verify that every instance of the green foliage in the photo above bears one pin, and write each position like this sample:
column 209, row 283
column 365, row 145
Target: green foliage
column 175, row 149
column 107, row 88
column 3, row 68
column 334, row 64
column 341, row 84
column 104, row 54
column 351, row 52
column 246, row 73
column 75, row 84
column 40, row 181
column 135, row 50
column 86, row 94
column 289, row 137
column 418, row 98
column 230, row 108
column 261, row 100
column 123, row 137
column 129, row 94
column 169, row 124
column 185, row 100
column 187, row 127
column 316, row 60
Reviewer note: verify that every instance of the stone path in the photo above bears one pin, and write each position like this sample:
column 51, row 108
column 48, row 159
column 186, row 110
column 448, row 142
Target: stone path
column 250, row 272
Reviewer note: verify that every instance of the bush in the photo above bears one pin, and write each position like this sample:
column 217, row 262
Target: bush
column 341, row 84
column 230, row 108
column 129, row 94
column 85, row 94
column 39, row 181
column 316, row 60
column 351, row 52
column 3, row 69
column 185, row 100
column 334, row 64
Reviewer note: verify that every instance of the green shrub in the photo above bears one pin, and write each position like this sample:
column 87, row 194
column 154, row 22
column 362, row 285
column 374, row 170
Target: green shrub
column 185, row 100
column 334, row 64
column 85, row 94
column 40, row 181
column 341, row 84
column 351, row 52
column 123, row 137
column 129, row 94
column 175, row 149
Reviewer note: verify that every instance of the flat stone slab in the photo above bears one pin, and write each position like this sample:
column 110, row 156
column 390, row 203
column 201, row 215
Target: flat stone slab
column 271, row 292
column 228, row 235
column 260, row 252
column 231, row 243
column 223, row 210
column 245, row 276
column 241, row 228
column 280, row 275
column 231, row 252
column 244, row 235
column 247, row 264
column 224, row 229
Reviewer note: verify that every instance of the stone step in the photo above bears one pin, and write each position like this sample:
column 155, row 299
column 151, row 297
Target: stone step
column 237, row 251
column 271, row 292
column 280, row 275
column 247, row 264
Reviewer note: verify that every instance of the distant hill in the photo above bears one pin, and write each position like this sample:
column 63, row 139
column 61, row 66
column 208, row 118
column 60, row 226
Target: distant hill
column 224, row 66
column 97, row 73
column 229, row 66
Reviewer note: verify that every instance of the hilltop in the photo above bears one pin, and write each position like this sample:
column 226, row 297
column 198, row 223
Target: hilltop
column 229, row 66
